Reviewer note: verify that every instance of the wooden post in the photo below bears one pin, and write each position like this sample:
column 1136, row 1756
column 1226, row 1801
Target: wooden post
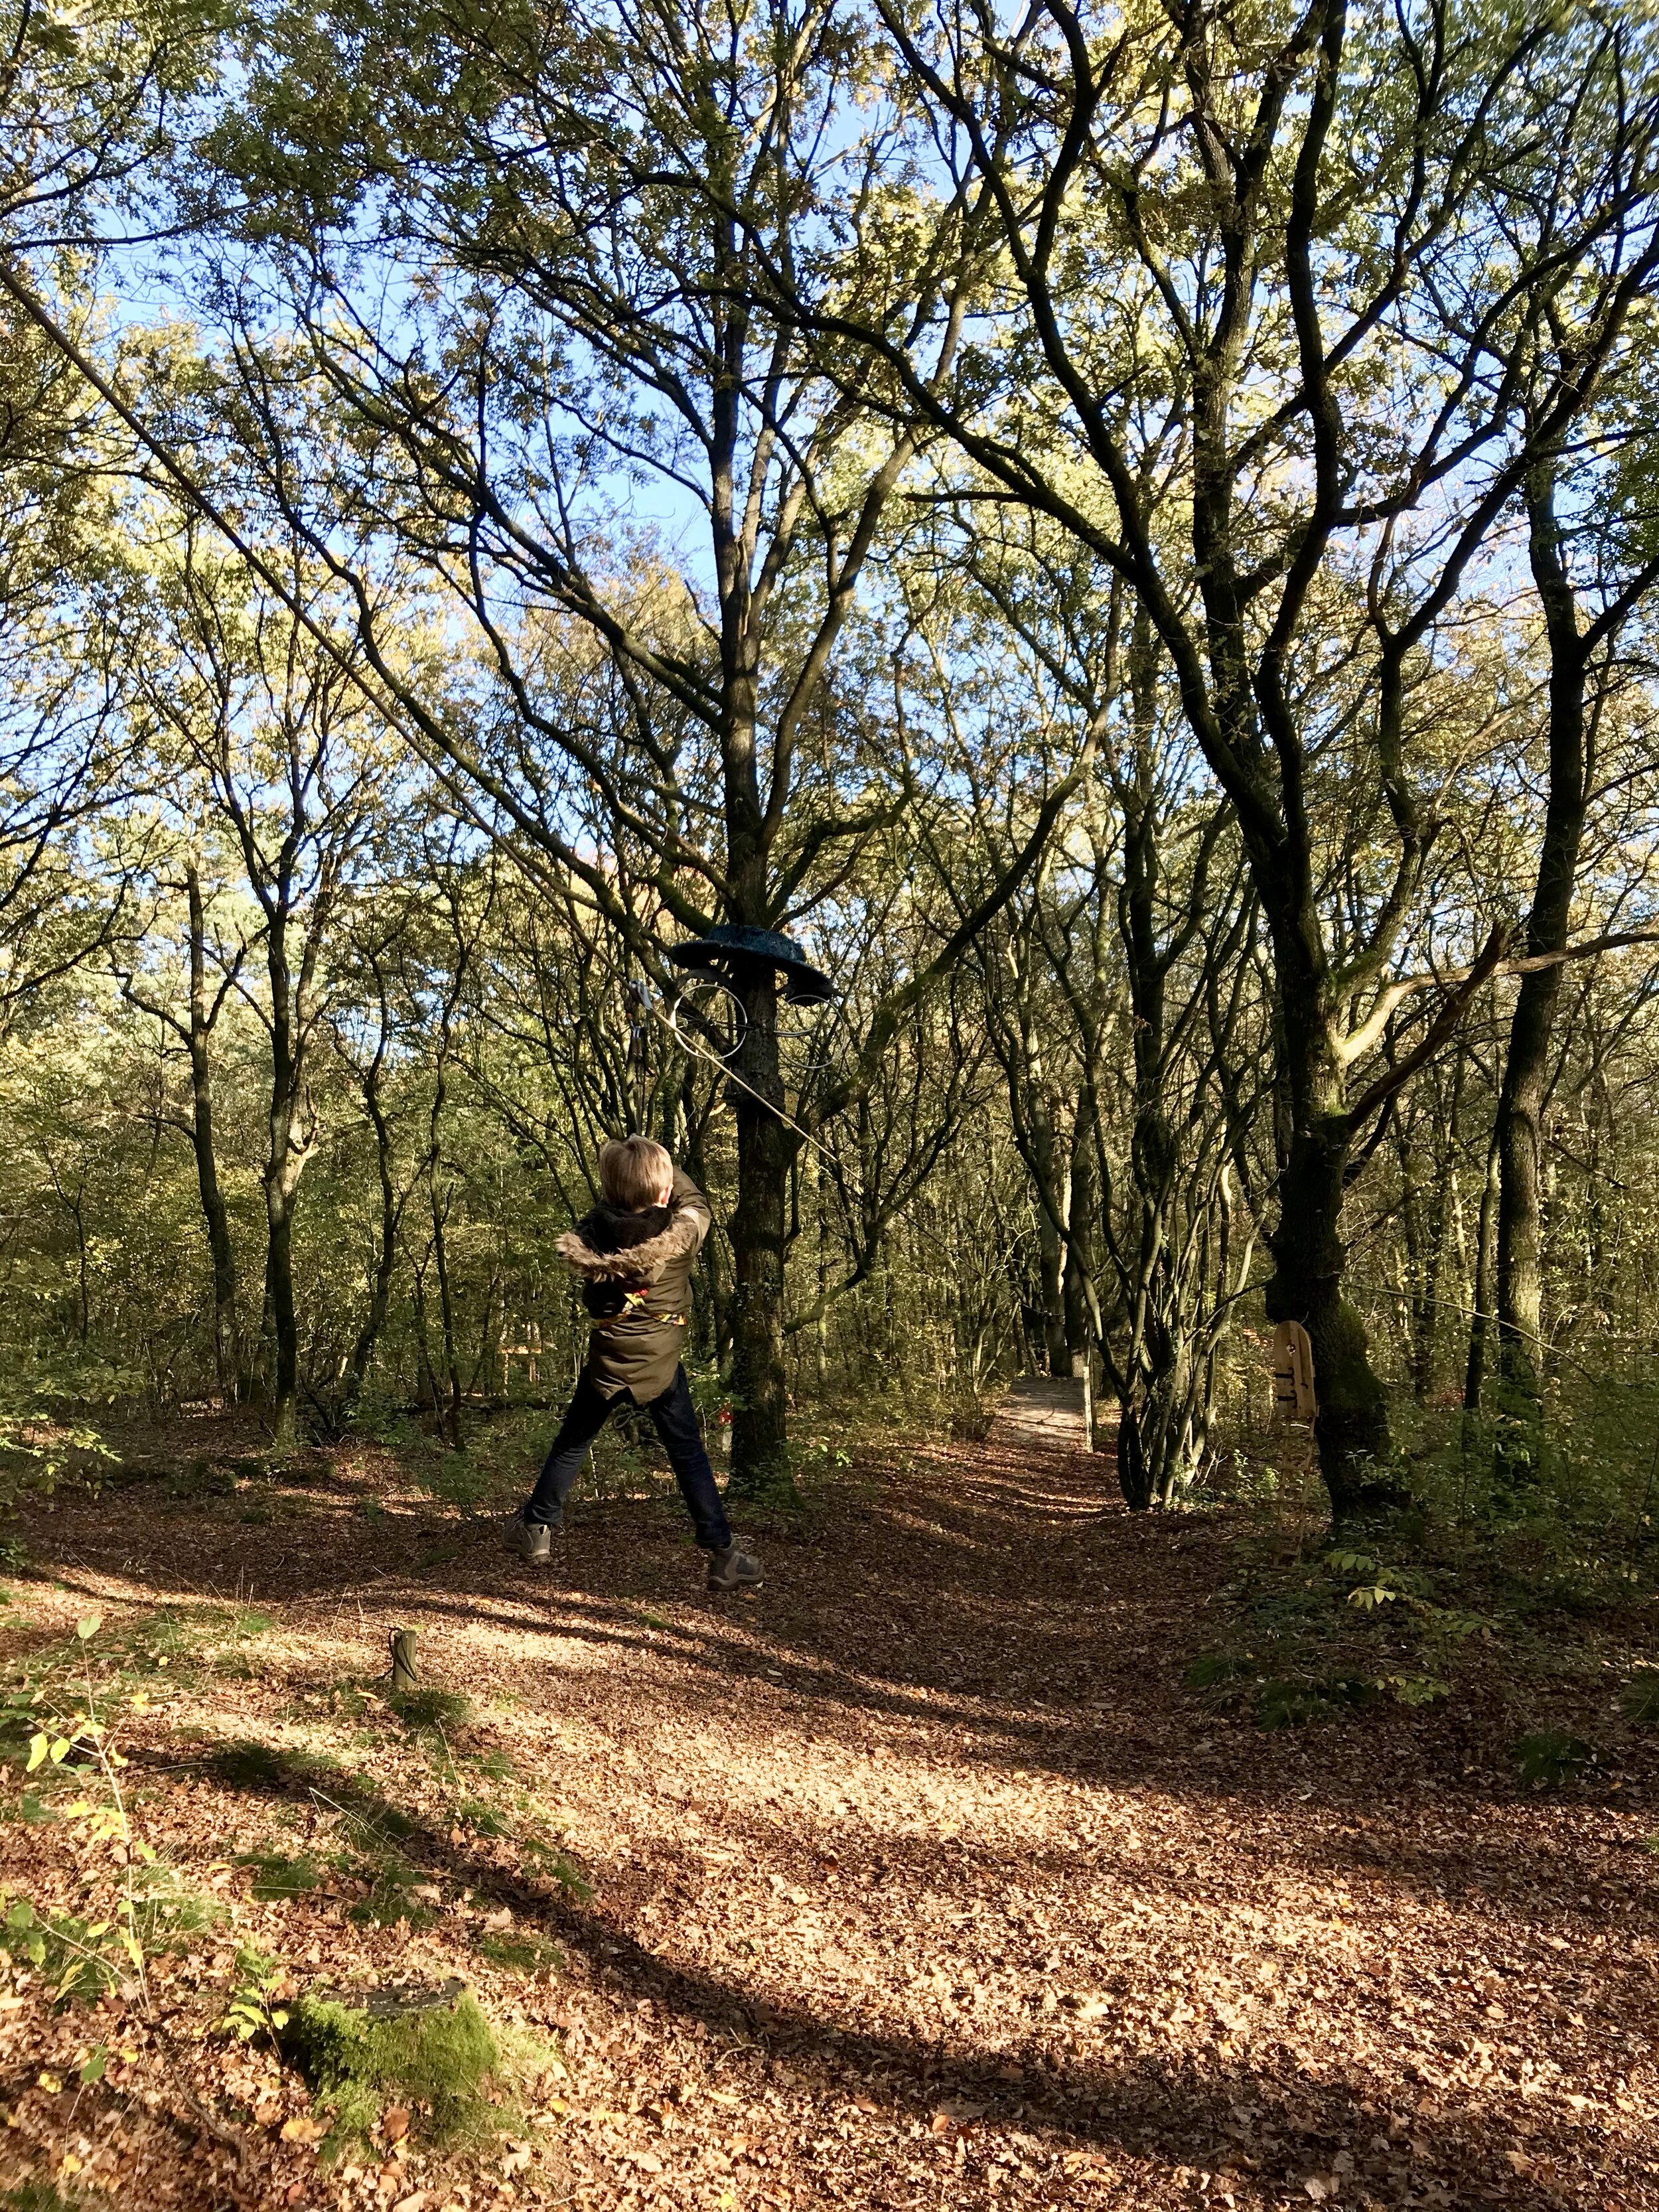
column 403, row 1659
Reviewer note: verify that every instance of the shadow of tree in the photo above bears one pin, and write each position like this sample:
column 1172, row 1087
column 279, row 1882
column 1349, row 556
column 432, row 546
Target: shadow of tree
column 1180, row 2113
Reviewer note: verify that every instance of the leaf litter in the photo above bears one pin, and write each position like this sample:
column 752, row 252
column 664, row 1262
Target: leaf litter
column 918, row 1878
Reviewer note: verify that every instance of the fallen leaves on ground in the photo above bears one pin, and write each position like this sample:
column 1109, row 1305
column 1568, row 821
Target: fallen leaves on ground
column 915, row 1878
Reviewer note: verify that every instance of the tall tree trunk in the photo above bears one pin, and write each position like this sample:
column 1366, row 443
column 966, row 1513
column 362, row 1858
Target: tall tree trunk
column 1486, row 1270
column 760, row 1463
column 1520, row 1104
column 1351, row 1426
column 1079, row 1257
column 283, row 1409
column 711, row 1293
column 226, row 1348
column 284, row 1160
column 448, row 1408
column 1426, row 1316
column 386, row 1258
column 1051, row 1248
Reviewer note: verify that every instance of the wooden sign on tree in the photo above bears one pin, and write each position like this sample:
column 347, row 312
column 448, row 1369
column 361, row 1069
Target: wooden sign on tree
column 1293, row 1375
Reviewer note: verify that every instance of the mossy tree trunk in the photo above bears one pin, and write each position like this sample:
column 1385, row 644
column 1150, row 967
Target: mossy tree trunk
column 204, row 1007
column 760, row 1427
column 1520, row 1406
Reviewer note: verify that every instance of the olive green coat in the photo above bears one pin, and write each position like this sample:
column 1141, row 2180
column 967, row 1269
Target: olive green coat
column 640, row 1349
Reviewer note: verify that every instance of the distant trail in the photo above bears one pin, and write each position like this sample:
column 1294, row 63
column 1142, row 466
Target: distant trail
column 1042, row 1412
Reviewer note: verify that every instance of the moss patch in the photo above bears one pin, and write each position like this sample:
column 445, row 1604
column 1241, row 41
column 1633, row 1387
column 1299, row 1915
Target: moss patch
column 433, row 2049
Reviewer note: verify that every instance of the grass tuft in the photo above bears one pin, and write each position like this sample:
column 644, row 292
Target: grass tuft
column 431, row 1708
column 520, row 1954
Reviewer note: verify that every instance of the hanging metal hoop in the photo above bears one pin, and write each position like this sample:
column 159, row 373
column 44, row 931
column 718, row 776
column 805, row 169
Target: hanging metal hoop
column 707, row 1014
column 806, row 1033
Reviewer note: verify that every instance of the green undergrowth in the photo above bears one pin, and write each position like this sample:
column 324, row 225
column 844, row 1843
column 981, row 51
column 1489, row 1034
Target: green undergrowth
column 552, row 1861
column 1326, row 1634
column 134, row 1665
column 431, row 1709
column 1416, row 1611
column 277, row 1878
column 1549, row 1758
column 378, row 1853
column 131, row 1668
column 524, row 1953
column 80, row 1959
column 482, row 1819
column 38, row 2196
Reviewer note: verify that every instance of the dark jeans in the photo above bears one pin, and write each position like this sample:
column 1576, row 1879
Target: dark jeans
column 675, row 1420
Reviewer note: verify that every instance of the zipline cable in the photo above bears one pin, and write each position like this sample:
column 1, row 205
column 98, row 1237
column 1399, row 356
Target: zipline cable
column 690, row 1044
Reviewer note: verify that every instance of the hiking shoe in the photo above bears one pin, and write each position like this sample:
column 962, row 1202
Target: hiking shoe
column 733, row 1568
column 529, row 1540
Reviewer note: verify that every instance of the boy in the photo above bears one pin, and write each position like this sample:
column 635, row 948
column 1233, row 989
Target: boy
column 634, row 1253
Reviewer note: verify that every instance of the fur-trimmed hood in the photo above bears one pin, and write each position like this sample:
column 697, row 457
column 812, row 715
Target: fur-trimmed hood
column 610, row 1245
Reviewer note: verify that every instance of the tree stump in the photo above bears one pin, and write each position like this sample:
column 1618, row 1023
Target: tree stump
column 410, row 2045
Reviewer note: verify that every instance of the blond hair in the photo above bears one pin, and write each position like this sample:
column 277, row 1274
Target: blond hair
column 635, row 1172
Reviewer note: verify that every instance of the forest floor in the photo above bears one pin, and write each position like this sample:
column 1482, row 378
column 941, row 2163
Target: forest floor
column 918, row 1878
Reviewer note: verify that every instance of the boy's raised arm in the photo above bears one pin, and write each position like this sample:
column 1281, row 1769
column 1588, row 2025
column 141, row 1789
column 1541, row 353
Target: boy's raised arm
column 690, row 1205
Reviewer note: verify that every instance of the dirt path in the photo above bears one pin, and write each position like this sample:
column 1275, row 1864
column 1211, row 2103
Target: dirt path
column 1040, row 1413
column 918, row 1878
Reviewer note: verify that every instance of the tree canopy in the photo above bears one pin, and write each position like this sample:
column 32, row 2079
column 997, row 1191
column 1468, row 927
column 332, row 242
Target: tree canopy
column 1127, row 533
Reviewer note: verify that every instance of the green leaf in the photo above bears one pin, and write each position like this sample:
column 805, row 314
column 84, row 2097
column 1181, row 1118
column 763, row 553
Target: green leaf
column 92, row 2067
column 1415, row 1689
column 88, row 1626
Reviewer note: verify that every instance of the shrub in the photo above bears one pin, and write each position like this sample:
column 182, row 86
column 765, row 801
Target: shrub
column 1551, row 1758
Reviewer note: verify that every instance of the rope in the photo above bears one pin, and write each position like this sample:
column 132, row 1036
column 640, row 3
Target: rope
column 1541, row 1344
column 690, row 1044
